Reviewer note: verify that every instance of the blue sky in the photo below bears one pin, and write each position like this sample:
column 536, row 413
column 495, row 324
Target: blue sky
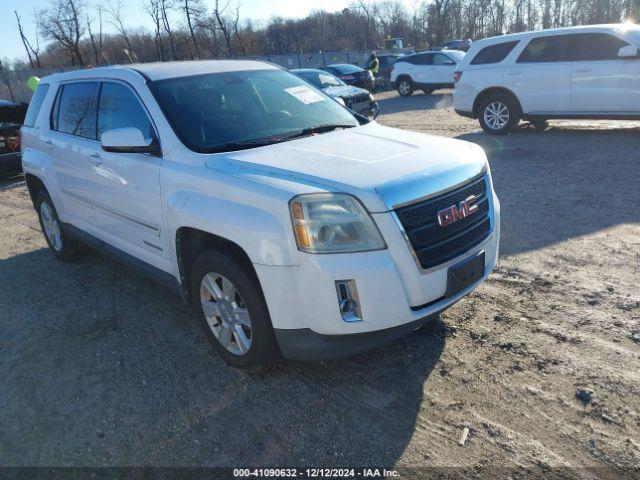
column 259, row 10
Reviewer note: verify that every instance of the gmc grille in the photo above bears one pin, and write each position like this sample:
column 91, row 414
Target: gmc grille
column 434, row 244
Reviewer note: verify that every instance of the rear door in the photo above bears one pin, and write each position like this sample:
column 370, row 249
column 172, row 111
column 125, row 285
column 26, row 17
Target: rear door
column 541, row 74
column 74, row 147
column 601, row 81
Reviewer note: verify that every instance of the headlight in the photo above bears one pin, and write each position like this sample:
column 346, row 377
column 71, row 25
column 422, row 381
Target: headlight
column 333, row 223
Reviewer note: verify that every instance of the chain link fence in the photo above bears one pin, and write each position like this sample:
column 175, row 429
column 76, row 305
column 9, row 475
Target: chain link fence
column 13, row 83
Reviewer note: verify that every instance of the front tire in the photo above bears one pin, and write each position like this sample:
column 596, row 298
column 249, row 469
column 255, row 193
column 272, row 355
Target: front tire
column 405, row 87
column 232, row 311
column 499, row 114
column 63, row 247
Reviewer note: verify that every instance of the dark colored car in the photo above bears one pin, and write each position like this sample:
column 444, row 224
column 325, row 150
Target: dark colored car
column 357, row 99
column 11, row 118
column 352, row 75
column 463, row 45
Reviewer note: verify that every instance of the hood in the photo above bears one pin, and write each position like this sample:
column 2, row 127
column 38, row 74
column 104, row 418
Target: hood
column 345, row 91
column 384, row 167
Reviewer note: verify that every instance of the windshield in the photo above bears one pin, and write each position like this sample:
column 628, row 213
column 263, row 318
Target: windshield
column 322, row 79
column 211, row 112
column 456, row 55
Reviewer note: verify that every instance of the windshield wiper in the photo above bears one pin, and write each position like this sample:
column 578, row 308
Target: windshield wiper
column 242, row 145
column 327, row 127
column 262, row 142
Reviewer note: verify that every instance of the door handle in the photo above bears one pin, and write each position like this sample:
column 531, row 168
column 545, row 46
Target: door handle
column 583, row 70
column 47, row 143
column 516, row 72
column 95, row 158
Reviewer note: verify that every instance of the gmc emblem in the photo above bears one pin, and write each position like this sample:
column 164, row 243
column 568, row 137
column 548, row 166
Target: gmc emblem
column 452, row 214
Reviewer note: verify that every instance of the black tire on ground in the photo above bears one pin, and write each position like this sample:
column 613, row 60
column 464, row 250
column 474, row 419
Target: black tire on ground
column 499, row 114
column 63, row 247
column 428, row 91
column 263, row 349
column 405, row 87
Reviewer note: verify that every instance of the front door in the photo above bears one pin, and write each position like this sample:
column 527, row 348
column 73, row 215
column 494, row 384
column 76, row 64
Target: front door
column 541, row 75
column 128, row 212
column 442, row 70
column 602, row 82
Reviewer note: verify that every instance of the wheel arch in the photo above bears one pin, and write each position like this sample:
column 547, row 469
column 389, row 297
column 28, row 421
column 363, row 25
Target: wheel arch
column 34, row 185
column 190, row 242
column 487, row 92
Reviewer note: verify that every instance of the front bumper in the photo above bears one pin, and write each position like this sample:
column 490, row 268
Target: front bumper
column 395, row 295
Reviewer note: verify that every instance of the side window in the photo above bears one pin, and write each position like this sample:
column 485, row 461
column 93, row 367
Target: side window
column 598, row 46
column 440, row 59
column 120, row 108
column 554, row 48
column 494, row 53
column 76, row 109
column 424, row 59
column 35, row 105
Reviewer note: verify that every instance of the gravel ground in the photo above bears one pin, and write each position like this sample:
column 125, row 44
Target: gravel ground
column 541, row 363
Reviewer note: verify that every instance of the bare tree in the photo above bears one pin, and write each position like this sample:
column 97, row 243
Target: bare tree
column 165, row 7
column 115, row 10
column 32, row 52
column 222, row 24
column 61, row 23
column 193, row 11
column 153, row 9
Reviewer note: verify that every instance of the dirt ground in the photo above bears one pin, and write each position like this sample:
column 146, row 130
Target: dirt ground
column 541, row 363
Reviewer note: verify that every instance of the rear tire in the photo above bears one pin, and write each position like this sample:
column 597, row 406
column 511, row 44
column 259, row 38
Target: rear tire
column 63, row 247
column 405, row 87
column 499, row 114
column 232, row 311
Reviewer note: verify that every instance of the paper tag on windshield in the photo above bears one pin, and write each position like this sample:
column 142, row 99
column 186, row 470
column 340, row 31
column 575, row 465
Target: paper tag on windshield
column 305, row 94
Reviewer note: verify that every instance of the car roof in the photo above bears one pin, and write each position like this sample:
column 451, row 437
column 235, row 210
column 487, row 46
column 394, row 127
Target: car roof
column 556, row 31
column 164, row 70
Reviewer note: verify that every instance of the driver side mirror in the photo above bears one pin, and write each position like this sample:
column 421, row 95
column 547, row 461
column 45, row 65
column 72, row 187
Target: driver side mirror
column 628, row 51
column 128, row 140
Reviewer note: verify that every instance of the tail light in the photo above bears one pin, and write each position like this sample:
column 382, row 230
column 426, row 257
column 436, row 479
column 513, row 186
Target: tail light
column 457, row 76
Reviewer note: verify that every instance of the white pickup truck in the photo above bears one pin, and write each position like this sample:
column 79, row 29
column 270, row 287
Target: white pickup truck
column 294, row 227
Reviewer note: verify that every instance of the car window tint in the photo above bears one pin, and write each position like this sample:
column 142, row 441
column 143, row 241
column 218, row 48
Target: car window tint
column 554, row 48
column 440, row 59
column 121, row 108
column 494, row 53
column 77, row 109
column 35, row 105
column 424, row 59
column 599, row 46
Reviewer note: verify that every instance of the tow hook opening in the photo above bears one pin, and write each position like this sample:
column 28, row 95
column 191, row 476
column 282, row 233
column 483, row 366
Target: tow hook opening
column 348, row 300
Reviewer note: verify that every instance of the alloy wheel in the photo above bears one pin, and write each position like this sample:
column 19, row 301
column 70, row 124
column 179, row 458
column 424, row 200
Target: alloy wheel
column 404, row 87
column 51, row 226
column 226, row 313
column 496, row 115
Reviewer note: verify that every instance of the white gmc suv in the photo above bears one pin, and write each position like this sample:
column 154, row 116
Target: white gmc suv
column 293, row 226
column 426, row 71
column 576, row 72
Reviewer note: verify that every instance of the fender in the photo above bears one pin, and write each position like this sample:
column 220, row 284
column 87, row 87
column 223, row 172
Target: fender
column 237, row 222
column 40, row 165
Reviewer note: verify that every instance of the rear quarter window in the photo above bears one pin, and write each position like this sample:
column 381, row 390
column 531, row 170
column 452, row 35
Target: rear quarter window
column 494, row 53
column 36, row 105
